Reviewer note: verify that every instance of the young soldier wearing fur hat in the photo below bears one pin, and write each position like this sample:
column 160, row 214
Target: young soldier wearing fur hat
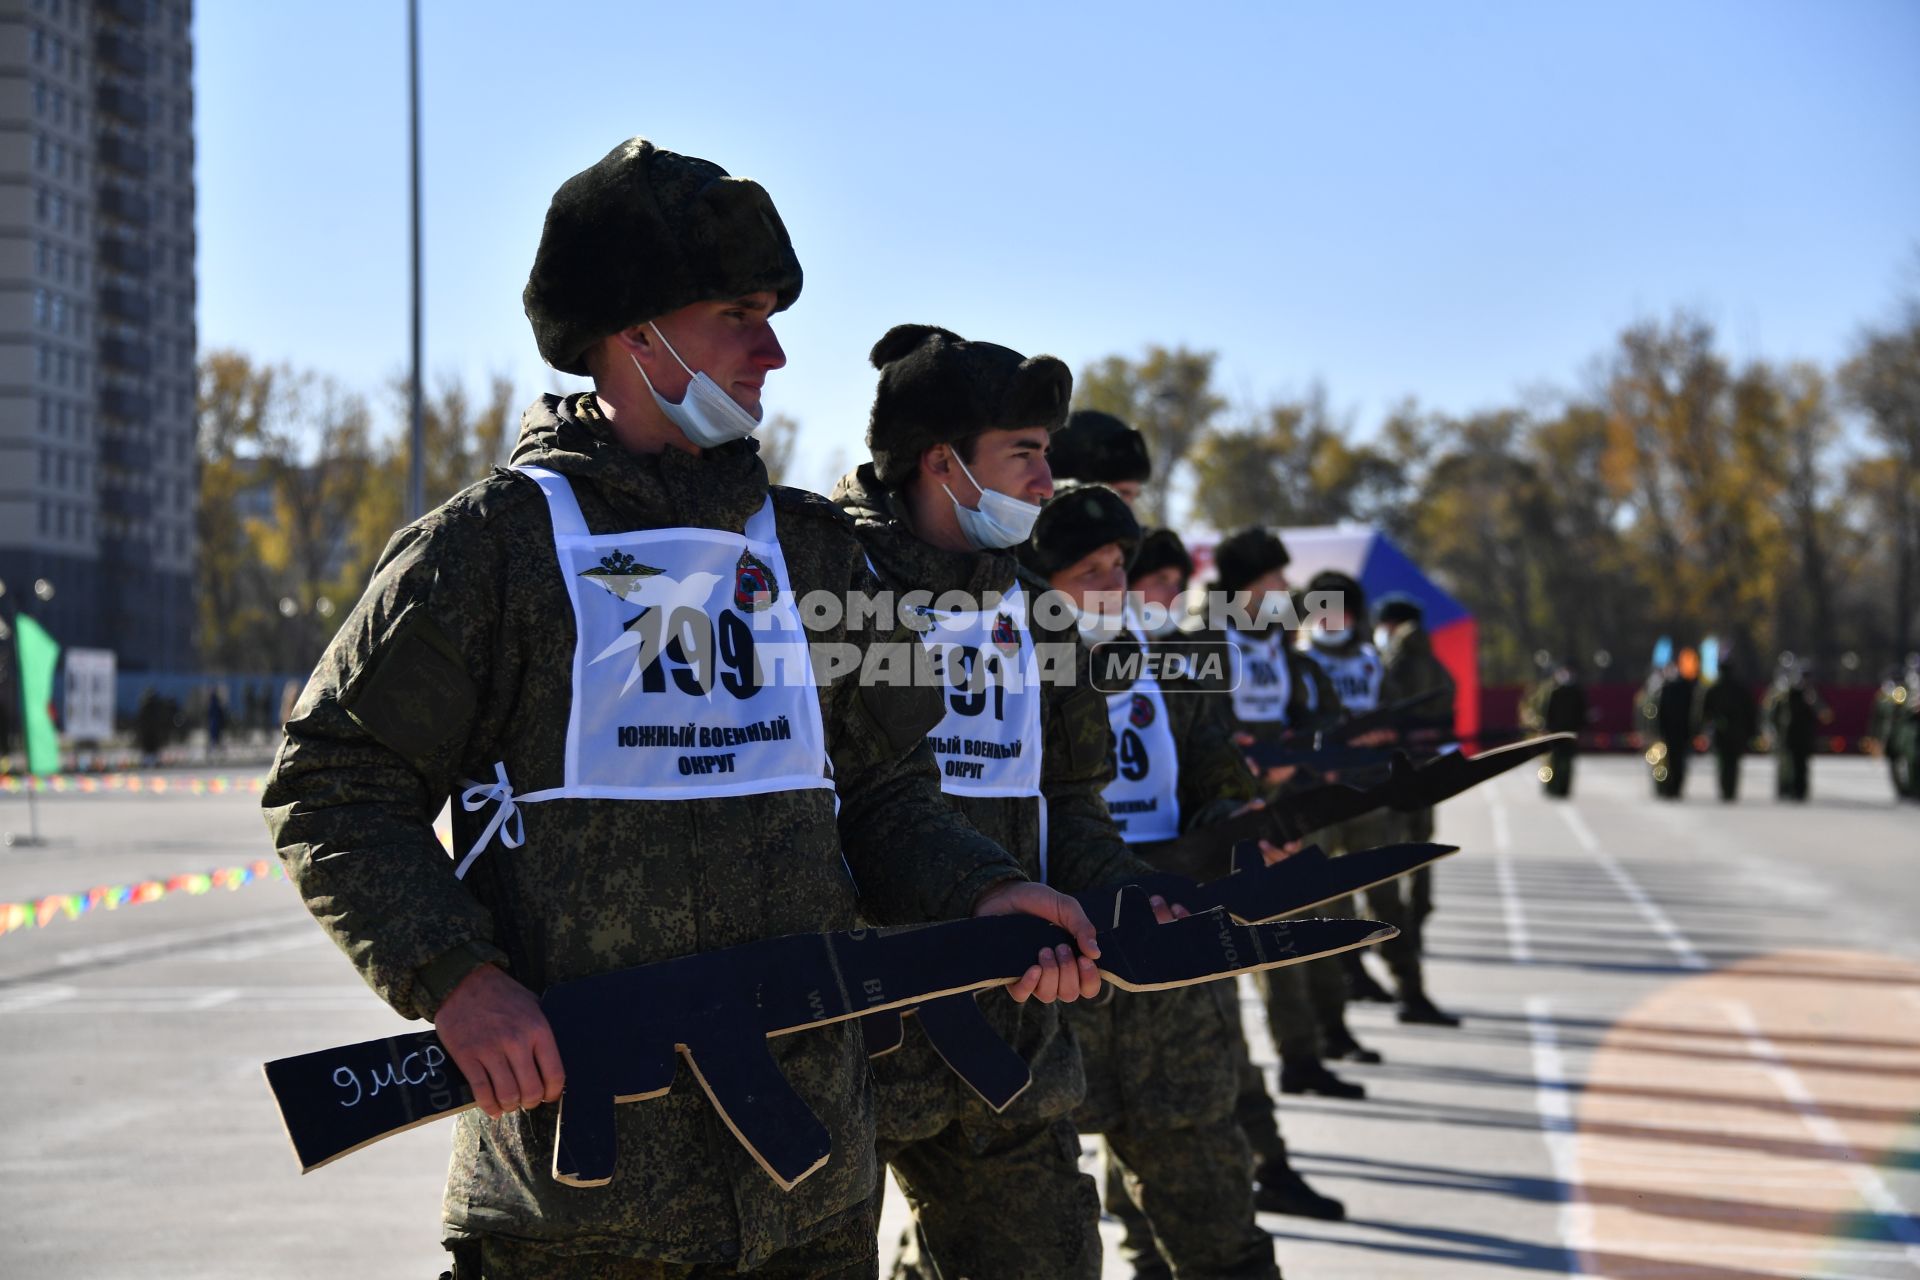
column 502, row 653
column 959, row 437
column 1161, row 1077
column 1279, row 691
column 1340, row 643
column 1410, row 669
column 1098, row 448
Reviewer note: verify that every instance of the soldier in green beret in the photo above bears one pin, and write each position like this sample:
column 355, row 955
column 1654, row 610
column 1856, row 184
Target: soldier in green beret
column 511, row 653
column 959, row 434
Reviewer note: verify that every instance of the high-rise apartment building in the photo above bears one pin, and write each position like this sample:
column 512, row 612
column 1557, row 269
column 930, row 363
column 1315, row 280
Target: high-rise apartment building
column 97, row 464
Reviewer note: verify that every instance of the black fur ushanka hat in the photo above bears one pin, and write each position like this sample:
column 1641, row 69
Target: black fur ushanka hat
column 937, row 388
column 1077, row 521
column 644, row 232
column 1098, row 447
column 1246, row 555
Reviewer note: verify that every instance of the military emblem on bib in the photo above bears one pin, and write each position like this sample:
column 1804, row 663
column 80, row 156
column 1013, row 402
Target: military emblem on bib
column 754, row 586
column 1005, row 638
column 620, row 574
column 1140, row 715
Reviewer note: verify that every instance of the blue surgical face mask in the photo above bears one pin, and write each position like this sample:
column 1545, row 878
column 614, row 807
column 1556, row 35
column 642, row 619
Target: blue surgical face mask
column 1001, row 522
column 706, row 415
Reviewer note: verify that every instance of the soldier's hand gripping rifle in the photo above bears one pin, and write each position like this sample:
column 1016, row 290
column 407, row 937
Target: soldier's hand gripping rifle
column 621, row 1035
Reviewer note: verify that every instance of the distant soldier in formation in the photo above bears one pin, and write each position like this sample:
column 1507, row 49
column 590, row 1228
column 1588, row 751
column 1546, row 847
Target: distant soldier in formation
column 1411, row 668
column 1896, row 726
column 1341, row 644
column 1668, row 705
column 1795, row 712
column 1161, row 1081
column 1276, row 694
column 1160, row 576
column 1558, row 705
column 1728, row 710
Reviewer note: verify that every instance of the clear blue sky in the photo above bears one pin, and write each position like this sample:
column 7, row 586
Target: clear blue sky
column 1460, row 202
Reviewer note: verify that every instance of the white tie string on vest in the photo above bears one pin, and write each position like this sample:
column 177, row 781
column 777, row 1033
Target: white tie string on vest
column 506, row 819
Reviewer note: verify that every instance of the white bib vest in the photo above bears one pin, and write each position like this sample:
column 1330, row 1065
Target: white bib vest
column 691, row 673
column 1356, row 675
column 1144, row 796
column 1264, row 685
column 988, row 742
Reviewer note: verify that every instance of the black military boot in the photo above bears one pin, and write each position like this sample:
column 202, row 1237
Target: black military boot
column 1310, row 1075
column 1337, row 1042
column 1361, row 985
column 1279, row 1189
column 1416, row 1009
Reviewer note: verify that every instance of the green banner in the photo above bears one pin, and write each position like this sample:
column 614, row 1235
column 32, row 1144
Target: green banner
column 39, row 655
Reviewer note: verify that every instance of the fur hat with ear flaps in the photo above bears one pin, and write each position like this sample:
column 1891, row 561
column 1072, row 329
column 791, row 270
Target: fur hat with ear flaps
column 1076, row 522
column 1246, row 555
column 937, row 388
column 644, row 232
column 1099, row 447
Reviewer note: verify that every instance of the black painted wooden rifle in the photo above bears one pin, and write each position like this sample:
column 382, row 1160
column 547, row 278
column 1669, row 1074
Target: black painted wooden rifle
column 622, row 1035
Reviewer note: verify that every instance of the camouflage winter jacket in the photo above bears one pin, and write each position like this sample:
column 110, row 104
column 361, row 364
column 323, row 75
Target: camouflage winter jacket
column 1413, row 669
column 917, row 1095
column 460, row 656
column 1161, row 1059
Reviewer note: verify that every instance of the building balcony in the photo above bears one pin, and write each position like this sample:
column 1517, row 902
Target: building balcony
column 121, row 54
column 126, row 454
column 122, row 104
column 124, row 405
column 129, row 357
column 125, row 255
column 129, row 158
column 125, row 553
column 127, row 504
column 124, row 304
column 123, row 204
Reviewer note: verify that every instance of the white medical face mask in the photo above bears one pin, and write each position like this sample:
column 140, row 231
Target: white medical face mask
column 1332, row 638
column 1002, row 521
column 706, row 415
column 1381, row 635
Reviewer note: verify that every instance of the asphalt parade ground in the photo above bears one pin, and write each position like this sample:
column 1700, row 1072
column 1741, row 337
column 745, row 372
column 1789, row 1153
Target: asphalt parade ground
column 1691, row 1051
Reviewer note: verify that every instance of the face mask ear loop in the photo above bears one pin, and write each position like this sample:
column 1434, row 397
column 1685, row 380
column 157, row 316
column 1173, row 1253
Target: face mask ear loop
column 982, row 489
column 670, row 351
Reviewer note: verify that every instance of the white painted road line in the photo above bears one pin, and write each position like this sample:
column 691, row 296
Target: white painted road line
column 1553, row 1099
column 1676, row 941
column 1519, row 946
column 1867, row 1181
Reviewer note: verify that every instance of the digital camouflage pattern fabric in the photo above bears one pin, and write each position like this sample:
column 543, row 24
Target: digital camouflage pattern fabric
column 458, row 657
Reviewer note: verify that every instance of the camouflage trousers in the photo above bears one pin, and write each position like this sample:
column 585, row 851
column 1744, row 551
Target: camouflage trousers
column 1005, row 1206
column 1195, row 1187
column 846, row 1251
column 1302, row 998
column 1258, row 1127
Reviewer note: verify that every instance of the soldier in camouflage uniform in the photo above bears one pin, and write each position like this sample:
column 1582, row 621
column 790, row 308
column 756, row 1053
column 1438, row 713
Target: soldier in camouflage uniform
column 1276, row 691
column 959, row 436
column 1339, row 643
column 1158, row 581
column 1731, row 716
column 1795, row 712
column 1411, row 669
column 1161, row 1081
column 489, row 661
